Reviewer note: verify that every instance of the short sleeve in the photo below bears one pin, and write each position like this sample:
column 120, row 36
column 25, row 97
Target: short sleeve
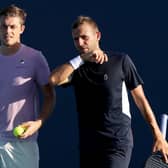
column 42, row 70
column 131, row 76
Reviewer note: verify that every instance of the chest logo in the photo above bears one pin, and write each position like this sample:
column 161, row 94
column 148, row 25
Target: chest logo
column 22, row 61
column 105, row 77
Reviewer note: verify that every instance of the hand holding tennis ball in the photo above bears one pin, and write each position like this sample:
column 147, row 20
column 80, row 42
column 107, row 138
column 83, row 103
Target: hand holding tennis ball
column 18, row 131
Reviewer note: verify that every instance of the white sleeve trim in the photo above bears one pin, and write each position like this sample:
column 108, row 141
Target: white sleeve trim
column 76, row 62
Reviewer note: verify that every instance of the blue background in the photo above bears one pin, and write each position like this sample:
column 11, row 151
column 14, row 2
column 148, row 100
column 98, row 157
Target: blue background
column 138, row 28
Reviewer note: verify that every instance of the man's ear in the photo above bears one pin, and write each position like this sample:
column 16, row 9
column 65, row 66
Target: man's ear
column 98, row 35
column 22, row 29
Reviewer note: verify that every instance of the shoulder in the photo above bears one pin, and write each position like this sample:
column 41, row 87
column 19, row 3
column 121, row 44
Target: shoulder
column 115, row 56
column 31, row 53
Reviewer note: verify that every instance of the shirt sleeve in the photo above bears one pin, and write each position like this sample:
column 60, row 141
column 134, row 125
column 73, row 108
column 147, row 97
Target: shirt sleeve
column 42, row 70
column 131, row 76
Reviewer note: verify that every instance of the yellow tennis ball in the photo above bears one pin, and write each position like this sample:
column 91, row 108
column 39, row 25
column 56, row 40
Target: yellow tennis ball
column 19, row 130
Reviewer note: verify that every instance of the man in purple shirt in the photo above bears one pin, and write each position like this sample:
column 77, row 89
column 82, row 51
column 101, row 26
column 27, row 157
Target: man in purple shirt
column 23, row 71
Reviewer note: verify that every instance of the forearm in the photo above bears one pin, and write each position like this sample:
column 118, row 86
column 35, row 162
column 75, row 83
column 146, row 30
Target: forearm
column 149, row 117
column 146, row 110
column 62, row 73
column 47, row 106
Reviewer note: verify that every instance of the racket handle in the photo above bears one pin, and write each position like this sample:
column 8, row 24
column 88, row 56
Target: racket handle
column 163, row 126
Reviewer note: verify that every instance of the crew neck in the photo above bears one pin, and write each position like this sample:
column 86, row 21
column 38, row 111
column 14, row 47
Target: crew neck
column 12, row 55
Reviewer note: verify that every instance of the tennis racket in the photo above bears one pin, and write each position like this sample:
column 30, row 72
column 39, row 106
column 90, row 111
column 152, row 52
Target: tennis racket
column 156, row 160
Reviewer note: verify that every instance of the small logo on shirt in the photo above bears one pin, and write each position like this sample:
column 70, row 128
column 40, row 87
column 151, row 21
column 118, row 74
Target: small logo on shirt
column 105, row 77
column 22, row 61
column 20, row 64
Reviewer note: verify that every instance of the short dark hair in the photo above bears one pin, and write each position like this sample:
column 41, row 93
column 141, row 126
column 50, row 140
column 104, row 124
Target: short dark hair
column 13, row 11
column 84, row 19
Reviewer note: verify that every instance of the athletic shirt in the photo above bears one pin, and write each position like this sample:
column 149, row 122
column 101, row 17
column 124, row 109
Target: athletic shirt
column 102, row 99
column 20, row 76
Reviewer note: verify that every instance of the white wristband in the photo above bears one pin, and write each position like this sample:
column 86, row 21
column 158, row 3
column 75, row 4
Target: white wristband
column 76, row 62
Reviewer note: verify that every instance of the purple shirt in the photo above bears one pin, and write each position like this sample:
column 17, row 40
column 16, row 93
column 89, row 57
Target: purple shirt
column 20, row 76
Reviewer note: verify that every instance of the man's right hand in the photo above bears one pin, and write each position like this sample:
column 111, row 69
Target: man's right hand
column 97, row 56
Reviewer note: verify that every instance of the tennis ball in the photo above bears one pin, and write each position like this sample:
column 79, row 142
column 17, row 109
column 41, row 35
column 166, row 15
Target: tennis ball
column 19, row 130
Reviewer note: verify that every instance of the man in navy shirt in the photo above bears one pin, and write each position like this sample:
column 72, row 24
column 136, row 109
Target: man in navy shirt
column 100, row 88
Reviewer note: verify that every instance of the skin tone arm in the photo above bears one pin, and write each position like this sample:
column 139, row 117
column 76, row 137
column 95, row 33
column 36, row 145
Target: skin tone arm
column 160, row 143
column 46, row 110
column 63, row 73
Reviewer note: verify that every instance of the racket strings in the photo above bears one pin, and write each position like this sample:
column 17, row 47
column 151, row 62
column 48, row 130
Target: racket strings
column 156, row 161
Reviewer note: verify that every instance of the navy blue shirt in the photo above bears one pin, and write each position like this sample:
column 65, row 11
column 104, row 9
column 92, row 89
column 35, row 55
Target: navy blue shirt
column 102, row 100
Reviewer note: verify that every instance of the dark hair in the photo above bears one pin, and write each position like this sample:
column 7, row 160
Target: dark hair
column 84, row 19
column 13, row 11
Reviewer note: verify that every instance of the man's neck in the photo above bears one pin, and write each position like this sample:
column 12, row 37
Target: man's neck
column 9, row 50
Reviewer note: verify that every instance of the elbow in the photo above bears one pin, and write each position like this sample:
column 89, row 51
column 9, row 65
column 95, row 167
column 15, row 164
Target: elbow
column 55, row 80
column 52, row 80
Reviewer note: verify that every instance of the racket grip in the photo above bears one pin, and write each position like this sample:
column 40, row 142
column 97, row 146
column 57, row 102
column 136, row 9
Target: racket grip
column 163, row 126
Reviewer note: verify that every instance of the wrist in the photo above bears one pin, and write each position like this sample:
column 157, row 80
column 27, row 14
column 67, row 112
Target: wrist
column 40, row 122
column 76, row 62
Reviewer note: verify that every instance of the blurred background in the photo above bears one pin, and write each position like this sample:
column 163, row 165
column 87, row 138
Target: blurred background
column 138, row 28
